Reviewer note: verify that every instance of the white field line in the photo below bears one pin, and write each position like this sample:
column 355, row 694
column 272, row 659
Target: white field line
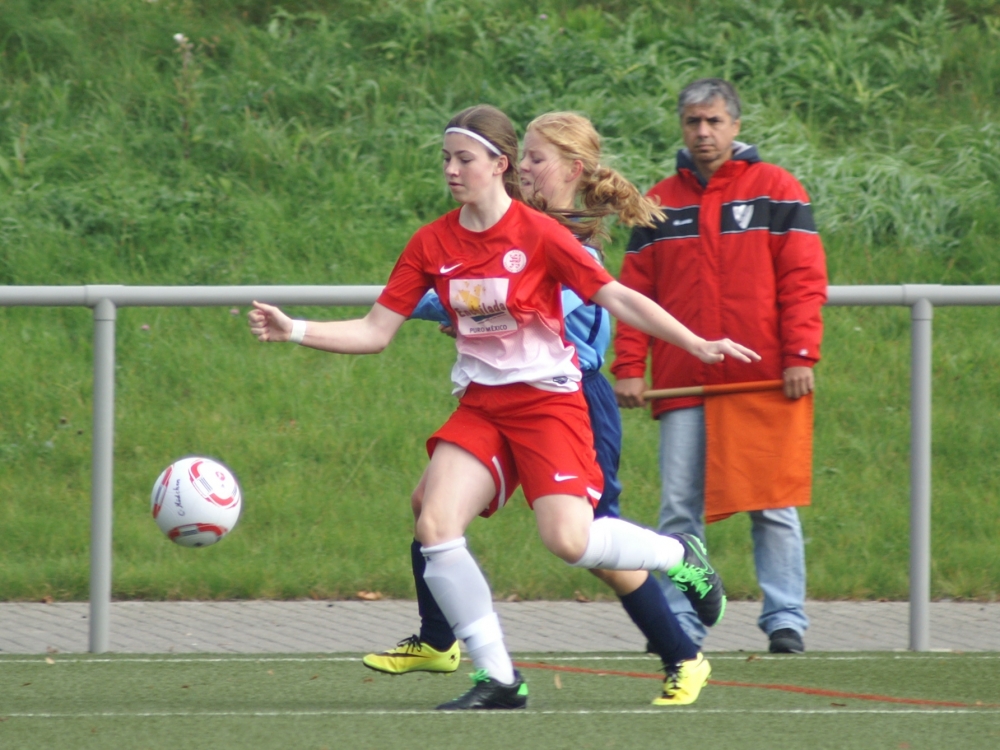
column 566, row 712
column 541, row 659
column 57, row 659
column 749, row 656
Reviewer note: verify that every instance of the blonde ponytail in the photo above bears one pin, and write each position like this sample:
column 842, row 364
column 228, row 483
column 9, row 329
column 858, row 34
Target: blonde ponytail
column 609, row 187
column 602, row 191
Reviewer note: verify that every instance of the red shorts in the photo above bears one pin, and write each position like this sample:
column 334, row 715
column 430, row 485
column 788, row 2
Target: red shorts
column 527, row 436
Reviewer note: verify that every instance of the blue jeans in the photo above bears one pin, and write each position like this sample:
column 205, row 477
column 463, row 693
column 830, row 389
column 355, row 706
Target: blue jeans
column 778, row 550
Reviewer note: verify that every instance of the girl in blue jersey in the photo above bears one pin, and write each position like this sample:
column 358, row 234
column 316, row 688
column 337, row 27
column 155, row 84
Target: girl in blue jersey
column 561, row 173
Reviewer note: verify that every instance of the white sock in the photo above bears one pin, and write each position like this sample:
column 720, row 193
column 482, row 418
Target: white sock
column 461, row 591
column 615, row 544
column 484, row 639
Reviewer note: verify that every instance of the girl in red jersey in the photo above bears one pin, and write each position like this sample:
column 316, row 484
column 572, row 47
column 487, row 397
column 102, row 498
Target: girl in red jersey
column 497, row 266
column 562, row 174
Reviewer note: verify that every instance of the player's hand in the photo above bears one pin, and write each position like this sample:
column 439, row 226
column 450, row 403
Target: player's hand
column 713, row 352
column 628, row 392
column 448, row 330
column 268, row 323
column 798, row 381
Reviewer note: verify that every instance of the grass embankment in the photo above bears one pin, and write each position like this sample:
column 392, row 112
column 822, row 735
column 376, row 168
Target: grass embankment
column 299, row 145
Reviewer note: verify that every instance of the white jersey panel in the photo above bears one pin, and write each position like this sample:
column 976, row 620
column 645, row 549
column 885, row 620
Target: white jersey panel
column 494, row 348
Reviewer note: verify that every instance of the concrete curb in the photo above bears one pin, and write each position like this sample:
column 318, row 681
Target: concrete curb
column 250, row 627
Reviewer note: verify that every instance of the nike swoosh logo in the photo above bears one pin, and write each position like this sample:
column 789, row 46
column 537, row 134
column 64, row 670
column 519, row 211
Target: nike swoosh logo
column 449, row 269
column 563, row 477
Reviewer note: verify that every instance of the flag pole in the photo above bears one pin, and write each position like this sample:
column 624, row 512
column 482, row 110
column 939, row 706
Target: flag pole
column 715, row 390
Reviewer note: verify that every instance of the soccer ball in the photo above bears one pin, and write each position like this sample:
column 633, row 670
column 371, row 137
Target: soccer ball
column 196, row 501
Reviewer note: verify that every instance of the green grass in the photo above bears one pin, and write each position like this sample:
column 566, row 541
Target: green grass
column 297, row 144
column 317, row 702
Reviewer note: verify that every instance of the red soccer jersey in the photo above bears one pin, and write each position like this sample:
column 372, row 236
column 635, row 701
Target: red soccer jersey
column 501, row 289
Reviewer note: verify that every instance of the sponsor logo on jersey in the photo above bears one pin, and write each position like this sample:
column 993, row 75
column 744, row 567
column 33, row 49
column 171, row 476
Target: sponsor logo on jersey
column 481, row 306
column 445, row 270
column 478, row 310
column 515, row 260
column 564, row 477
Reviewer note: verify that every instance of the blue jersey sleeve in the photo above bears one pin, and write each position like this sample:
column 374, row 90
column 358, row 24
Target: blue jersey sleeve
column 588, row 327
column 570, row 301
column 430, row 308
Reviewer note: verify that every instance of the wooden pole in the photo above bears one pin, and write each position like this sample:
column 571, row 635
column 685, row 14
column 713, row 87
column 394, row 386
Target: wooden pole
column 715, row 390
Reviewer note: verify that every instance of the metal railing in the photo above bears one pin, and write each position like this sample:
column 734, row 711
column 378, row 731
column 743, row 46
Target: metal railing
column 106, row 299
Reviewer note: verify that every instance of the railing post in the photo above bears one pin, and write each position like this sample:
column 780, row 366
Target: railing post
column 921, row 320
column 102, row 474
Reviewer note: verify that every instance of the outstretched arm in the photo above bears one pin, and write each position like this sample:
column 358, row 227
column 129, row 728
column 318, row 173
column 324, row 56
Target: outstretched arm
column 368, row 335
column 641, row 312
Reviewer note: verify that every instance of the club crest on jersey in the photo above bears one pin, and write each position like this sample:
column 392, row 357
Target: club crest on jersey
column 481, row 306
column 515, row 260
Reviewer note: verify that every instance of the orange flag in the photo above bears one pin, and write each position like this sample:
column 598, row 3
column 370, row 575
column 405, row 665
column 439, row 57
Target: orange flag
column 758, row 452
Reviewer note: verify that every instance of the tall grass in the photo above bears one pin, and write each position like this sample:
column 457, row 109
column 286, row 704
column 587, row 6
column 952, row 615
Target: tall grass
column 297, row 143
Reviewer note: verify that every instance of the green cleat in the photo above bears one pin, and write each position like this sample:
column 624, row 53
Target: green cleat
column 697, row 579
column 413, row 655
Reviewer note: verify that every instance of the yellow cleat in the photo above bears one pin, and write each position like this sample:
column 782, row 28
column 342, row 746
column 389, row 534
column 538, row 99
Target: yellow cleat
column 413, row 655
column 684, row 682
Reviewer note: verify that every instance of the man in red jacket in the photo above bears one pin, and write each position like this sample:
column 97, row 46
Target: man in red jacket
column 737, row 253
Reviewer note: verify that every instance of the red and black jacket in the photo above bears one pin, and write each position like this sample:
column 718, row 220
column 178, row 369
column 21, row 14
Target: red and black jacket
column 738, row 258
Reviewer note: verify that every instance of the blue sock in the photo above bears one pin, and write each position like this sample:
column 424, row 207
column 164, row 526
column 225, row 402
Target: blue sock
column 434, row 628
column 648, row 608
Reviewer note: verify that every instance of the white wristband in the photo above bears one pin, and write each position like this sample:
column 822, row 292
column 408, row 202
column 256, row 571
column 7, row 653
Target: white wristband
column 298, row 331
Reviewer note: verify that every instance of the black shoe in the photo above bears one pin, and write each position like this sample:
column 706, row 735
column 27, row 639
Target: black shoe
column 786, row 641
column 487, row 693
column 698, row 581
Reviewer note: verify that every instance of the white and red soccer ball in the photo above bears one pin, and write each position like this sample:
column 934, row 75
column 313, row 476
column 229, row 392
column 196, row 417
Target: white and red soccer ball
column 196, row 501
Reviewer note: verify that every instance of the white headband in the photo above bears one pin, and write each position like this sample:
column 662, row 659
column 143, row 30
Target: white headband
column 478, row 137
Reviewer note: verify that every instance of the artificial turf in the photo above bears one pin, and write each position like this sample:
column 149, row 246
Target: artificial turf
column 882, row 700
